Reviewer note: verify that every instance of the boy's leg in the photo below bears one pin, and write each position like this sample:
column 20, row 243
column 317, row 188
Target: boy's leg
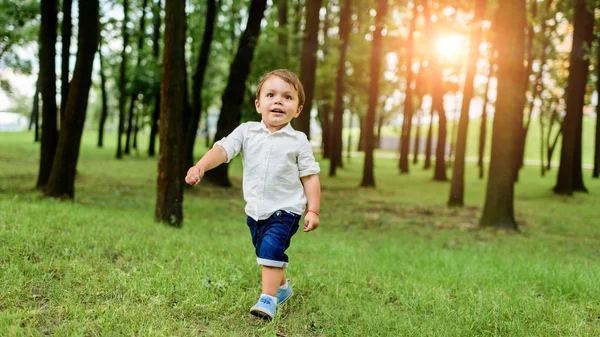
column 272, row 279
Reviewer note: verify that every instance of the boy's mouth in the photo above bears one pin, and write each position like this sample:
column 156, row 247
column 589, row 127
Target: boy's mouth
column 277, row 111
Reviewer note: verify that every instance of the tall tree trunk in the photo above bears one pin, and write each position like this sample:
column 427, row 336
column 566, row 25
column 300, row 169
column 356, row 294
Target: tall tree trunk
column 420, row 92
column 233, row 96
column 198, row 83
column 66, row 32
column 48, row 89
column 155, row 53
column 325, row 118
column 457, row 188
column 596, row 172
column 35, row 112
column 140, row 45
column 429, row 141
column 61, row 183
column 338, row 105
column 498, row 210
column 123, row 78
column 104, row 113
column 282, row 33
column 368, row 179
column 522, row 134
column 308, row 65
column 483, row 125
column 136, row 125
column 552, row 146
column 408, row 100
column 437, row 101
column 570, row 177
column 349, row 144
column 169, row 193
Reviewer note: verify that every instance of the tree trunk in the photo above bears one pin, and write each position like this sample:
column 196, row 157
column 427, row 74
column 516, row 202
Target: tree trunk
column 104, row 113
column 155, row 52
column 48, row 89
column 420, row 92
column 551, row 147
column 233, row 96
column 169, row 193
column 198, row 83
column 123, row 78
column 498, row 210
column 325, row 118
column 483, row 125
column 349, row 144
column 429, row 141
column 368, row 179
column 570, row 177
column 35, row 112
column 129, row 122
column 282, row 34
column 408, row 100
column 66, row 32
column 61, row 183
column 457, row 188
column 596, row 172
column 338, row 106
column 308, row 65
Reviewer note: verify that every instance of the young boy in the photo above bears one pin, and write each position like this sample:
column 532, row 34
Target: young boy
column 280, row 176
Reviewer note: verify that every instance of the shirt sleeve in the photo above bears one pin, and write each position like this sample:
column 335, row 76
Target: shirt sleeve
column 307, row 165
column 233, row 142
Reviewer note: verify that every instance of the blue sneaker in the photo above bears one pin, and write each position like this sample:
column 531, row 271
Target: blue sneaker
column 284, row 294
column 265, row 308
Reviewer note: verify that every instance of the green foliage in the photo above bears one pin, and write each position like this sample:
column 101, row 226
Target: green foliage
column 393, row 261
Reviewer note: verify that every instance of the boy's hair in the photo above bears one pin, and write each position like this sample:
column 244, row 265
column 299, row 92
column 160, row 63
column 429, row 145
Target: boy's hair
column 288, row 77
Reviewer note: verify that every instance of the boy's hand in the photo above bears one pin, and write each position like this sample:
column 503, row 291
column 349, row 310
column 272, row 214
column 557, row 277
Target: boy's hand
column 194, row 175
column 311, row 221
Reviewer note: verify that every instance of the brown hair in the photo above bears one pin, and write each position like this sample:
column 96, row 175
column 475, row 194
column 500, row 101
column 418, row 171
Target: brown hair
column 288, row 77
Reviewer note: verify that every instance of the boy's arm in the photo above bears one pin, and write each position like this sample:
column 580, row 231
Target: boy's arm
column 312, row 188
column 213, row 158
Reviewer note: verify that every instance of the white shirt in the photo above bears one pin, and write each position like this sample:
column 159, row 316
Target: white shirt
column 273, row 164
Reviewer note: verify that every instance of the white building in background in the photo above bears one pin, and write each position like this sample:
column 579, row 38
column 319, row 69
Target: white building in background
column 10, row 121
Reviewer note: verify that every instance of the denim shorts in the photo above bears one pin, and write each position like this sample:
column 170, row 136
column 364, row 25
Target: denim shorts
column 271, row 237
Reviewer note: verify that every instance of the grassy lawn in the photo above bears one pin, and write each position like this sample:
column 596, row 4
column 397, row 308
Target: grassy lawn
column 390, row 261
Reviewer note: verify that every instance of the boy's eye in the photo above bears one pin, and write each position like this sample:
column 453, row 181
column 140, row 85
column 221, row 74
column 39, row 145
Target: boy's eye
column 269, row 95
column 288, row 97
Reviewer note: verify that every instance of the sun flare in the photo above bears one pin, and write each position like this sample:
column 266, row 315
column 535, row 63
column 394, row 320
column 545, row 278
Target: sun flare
column 450, row 46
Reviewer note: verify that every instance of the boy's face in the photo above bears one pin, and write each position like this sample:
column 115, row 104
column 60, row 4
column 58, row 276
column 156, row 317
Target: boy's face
column 277, row 103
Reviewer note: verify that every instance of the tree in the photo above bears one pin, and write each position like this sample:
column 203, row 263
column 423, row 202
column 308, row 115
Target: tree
column 123, row 78
column 308, row 65
column 198, row 83
column 169, row 192
column 596, row 172
column 66, row 32
column 62, row 179
column 335, row 157
column 408, row 99
column 458, row 173
column 368, row 179
column 104, row 113
column 484, row 117
column 49, row 139
column 233, row 96
column 498, row 209
column 570, row 175
column 157, row 23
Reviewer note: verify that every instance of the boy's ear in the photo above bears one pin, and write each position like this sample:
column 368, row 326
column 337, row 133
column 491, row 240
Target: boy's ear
column 299, row 110
column 257, row 105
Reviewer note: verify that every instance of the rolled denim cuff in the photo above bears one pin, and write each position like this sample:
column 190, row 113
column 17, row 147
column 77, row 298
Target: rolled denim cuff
column 271, row 263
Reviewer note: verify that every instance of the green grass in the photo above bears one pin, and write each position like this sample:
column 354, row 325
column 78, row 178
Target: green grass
column 393, row 261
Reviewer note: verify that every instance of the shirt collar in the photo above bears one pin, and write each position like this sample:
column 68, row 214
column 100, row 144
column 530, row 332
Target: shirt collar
column 288, row 129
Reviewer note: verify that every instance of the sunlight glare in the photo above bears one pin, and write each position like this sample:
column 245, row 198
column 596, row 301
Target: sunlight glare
column 450, row 46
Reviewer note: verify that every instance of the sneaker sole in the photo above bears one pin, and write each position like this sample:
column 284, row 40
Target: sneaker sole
column 260, row 313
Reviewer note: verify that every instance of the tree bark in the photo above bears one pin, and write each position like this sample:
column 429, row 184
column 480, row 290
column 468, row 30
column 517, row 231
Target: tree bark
column 368, row 179
column 61, row 183
column 48, row 89
column 35, row 112
column 429, row 141
column 457, row 188
column 233, row 96
column 483, row 125
column 155, row 52
column 104, row 113
column 66, row 32
column 596, row 172
column 198, row 82
column 498, row 210
column 338, row 105
column 123, row 79
column 169, row 193
column 408, row 100
column 570, row 177
column 308, row 63
column 282, row 34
